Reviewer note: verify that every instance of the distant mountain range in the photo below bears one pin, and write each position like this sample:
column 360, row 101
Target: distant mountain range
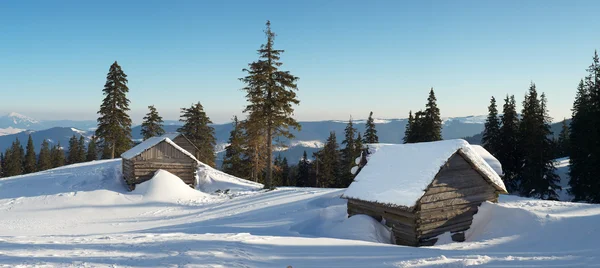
column 310, row 138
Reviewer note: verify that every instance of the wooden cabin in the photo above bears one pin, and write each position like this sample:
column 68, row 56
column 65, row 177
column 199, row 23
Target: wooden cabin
column 423, row 190
column 142, row 161
column 183, row 142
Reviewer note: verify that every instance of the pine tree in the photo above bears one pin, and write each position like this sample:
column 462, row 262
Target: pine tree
column 197, row 128
column 408, row 128
column 92, row 153
column 303, row 177
column 81, row 153
column 15, row 157
column 563, row 142
column 114, row 125
column 72, row 153
column 2, row 165
column 152, row 125
column 233, row 162
column 509, row 152
column 255, row 147
column 432, row 122
column 45, row 158
column 329, row 164
column 585, row 149
column 57, row 156
column 538, row 178
column 370, row 131
column 491, row 132
column 349, row 153
column 30, row 157
column 271, row 94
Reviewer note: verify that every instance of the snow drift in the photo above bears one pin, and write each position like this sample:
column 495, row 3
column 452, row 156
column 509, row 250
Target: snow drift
column 167, row 187
column 211, row 180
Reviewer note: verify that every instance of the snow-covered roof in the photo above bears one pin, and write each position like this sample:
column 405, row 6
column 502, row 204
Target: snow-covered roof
column 399, row 174
column 151, row 142
column 171, row 135
column 489, row 158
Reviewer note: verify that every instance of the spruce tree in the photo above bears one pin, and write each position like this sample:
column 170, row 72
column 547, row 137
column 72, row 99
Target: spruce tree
column 45, row 158
column 92, row 153
column 537, row 176
column 563, row 142
column 255, row 147
column 329, row 164
column 114, row 124
column 197, row 128
column 370, row 131
column 349, row 153
column 303, row 177
column 509, row 152
column 277, row 171
column 271, row 96
column 491, row 132
column 233, row 162
column 2, row 165
column 153, row 124
column 15, row 157
column 57, row 156
column 585, row 149
column 408, row 128
column 81, row 153
column 432, row 122
column 30, row 157
column 72, row 153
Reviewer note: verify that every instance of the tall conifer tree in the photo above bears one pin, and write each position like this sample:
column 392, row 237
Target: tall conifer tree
column 303, row 177
column 233, row 162
column 408, row 128
column 197, row 128
column 432, row 121
column 92, row 153
column 72, row 153
column 57, row 156
column 153, row 124
column 45, row 158
column 537, row 176
column 509, row 152
column 30, row 157
column 15, row 157
column 348, row 154
column 491, row 132
column 563, row 143
column 114, row 124
column 271, row 96
column 370, row 131
column 329, row 163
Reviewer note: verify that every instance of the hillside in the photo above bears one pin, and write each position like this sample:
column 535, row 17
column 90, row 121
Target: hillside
column 81, row 216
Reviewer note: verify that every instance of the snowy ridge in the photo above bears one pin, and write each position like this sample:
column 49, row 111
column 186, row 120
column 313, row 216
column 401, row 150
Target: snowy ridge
column 10, row 131
column 398, row 174
column 308, row 144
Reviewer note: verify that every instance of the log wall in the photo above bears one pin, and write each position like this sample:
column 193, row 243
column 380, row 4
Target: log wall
column 186, row 144
column 451, row 200
column 162, row 156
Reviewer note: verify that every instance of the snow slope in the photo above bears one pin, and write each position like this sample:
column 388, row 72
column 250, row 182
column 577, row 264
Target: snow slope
column 81, row 216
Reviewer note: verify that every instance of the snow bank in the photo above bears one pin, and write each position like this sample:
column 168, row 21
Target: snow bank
column 211, row 180
column 489, row 158
column 361, row 227
column 398, row 174
column 167, row 187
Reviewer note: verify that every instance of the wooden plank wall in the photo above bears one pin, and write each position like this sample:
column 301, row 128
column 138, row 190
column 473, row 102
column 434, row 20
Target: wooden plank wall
column 162, row 156
column 451, row 200
column 402, row 221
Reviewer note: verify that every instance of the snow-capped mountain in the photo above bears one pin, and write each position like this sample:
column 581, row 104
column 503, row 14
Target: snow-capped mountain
column 17, row 121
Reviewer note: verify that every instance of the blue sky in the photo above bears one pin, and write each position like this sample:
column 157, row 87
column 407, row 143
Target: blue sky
column 351, row 56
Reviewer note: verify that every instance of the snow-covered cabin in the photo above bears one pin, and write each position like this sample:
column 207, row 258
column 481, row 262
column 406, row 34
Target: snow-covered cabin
column 142, row 161
column 423, row 190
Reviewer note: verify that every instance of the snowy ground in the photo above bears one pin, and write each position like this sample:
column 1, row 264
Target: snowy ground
column 81, row 216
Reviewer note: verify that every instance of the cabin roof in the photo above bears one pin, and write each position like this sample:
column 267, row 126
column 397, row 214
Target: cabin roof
column 399, row 174
column 489, row 158
column 151, row 142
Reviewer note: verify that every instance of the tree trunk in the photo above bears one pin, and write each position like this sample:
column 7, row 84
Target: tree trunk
column 112, row 153
column 269, row 158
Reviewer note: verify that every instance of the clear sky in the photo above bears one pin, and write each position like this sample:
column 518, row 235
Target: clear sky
column 351, row 56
